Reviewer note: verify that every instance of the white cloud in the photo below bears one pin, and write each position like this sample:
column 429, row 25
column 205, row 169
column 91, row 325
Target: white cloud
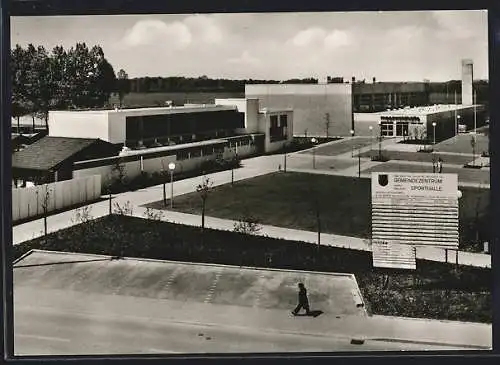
column 245, row 59
column 205, row 28
column 338, row 38
column 459, row 24
column 309, row 36
column 156, row 32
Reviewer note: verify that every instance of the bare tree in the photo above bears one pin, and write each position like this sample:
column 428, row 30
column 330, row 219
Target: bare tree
column 45, row 206
column 108, row 189
column 204, row 190
column 473, row 145
column 315, row 200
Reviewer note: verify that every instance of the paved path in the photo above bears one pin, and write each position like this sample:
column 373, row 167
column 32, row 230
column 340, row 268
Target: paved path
column 33, row 229
column 252, row 167
column 426, row 253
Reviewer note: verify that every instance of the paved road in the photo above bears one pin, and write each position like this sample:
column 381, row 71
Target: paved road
column 70, row 322
column 54, row 332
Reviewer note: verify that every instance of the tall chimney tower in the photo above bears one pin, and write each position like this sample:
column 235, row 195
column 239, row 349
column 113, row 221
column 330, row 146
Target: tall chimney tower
column 467, row 78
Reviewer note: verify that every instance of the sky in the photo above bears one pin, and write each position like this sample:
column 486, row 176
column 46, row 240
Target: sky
column 391, row 46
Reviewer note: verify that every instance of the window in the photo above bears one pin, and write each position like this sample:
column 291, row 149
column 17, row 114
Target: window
column 274, row 121
column 182, row 155
column 277, row 132
column 195, row 152
column 387, row 128
column 284, row 120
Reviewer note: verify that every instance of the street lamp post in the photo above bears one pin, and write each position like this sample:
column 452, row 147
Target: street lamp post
column 171, row 167
column 458, row 122
column 359, row 161
column 284, row 159
column 235, row 156
column 371, row 139
column 380, row 141
column 313, row 141
column 352, row 149
column 434, row 131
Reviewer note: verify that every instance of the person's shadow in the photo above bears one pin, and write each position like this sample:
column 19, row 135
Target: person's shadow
column 313, row 314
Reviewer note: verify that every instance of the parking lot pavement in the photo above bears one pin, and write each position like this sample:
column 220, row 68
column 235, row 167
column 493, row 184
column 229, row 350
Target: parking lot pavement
column 215, row 284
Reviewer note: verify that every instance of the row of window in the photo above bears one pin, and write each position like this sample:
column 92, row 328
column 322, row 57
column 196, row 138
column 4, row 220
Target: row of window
column 151, row 126
column 199, row 152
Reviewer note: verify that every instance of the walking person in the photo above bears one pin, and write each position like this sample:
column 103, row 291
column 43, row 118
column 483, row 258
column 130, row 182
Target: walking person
column 303, row 300
column 433, row 165
column 440, row 165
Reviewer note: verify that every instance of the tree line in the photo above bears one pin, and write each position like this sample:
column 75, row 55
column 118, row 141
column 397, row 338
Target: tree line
column 200, row 84
column 76, row 78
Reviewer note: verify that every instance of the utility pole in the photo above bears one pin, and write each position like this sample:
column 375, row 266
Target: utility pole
column 475, row 119
column 359, row 162
column 456, row 121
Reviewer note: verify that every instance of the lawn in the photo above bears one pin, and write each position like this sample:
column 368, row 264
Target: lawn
column 344, row 146
column 462, row 144
column 434, row 290
column 420, row 156
column 288, row 200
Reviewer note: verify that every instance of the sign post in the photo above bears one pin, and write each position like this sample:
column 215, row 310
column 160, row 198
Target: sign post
column 411, row 210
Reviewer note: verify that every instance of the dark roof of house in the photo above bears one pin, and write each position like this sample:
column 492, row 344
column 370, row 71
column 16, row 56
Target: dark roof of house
column 49, row 152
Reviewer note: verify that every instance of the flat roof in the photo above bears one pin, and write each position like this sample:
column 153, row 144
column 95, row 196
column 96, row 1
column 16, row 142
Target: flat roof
column 192, row 108
column 174, row 147
column 424, row 110
column 275, row 110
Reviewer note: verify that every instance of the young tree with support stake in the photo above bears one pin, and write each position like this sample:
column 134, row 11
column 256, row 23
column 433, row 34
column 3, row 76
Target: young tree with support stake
column 204, row 190
column 473, row 145
column 45, row 207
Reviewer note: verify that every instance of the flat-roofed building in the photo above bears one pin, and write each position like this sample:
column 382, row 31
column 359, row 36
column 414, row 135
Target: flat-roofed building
column 320, row 110
column 379, row 96
column 148, row 126
column 416, row 123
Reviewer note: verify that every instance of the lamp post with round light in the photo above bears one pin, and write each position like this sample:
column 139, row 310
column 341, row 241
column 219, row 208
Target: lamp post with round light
column 380, row 140
column 434, row 132
column 171, row 168
column 314, row 141
column 352, row 149
column 371, row 138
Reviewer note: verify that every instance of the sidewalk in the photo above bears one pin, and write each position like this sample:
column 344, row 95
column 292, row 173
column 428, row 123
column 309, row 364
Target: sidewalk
column 33, row 229
column 332, row 240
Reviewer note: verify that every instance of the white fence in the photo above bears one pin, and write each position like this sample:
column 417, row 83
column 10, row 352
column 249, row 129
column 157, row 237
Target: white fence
column 30, row 202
